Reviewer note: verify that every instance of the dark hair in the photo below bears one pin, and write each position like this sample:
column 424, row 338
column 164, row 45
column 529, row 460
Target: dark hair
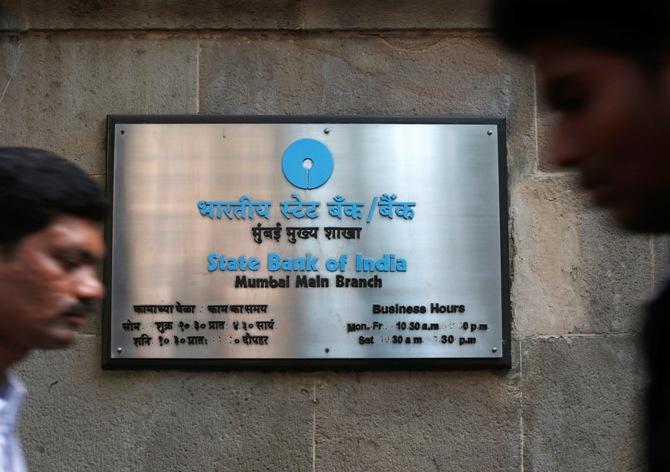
column 37, row 186
column 638, row 28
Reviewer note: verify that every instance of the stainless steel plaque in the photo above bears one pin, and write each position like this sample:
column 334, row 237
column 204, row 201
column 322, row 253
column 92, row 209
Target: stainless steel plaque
column 262, row 242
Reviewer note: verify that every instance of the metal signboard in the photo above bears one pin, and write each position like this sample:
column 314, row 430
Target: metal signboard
column 306, row 242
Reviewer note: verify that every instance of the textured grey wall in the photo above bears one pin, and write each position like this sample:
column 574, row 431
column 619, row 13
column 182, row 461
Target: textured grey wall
column 571, row 400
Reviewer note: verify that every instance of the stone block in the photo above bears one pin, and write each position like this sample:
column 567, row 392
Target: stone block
column 10, row 16
column 101, row 180
column 62, row 88
column 10, row 53
column 79, row 417
column 403, row 14
column 382, row 75
column 244, row 15
column 93, row 326
column 581, row 404
column 399, row 421
column 161, row 14
column 661, row 253
column 545, row 123
column 574, row 271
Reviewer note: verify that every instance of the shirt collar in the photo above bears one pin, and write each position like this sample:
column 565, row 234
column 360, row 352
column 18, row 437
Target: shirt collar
column 11, row 400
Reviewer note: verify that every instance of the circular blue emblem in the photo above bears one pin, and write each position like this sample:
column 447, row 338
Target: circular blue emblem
column 307, row 163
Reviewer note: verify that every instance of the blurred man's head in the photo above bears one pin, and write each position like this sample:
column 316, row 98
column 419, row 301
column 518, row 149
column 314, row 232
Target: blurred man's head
column 50, row 242
column 605, row 69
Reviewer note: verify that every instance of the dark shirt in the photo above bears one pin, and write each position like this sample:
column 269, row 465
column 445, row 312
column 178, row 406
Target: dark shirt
column 658, row 393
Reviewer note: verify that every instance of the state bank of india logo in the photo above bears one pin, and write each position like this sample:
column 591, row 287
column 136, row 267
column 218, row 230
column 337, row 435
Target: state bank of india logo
column 307, row 164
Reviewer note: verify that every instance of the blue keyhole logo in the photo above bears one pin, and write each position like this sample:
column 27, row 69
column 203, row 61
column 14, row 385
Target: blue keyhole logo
column 307, row 164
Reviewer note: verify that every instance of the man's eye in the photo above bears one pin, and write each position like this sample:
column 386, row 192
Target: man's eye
column 68, row 263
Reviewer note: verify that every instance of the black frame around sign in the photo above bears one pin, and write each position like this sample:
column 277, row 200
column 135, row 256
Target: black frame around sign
column 504, row 362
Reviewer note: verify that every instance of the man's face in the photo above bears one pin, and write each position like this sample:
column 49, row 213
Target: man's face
column 614, row 127
column 47, row 283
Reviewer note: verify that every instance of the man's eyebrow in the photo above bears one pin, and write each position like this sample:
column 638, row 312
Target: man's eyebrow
column 82, row 254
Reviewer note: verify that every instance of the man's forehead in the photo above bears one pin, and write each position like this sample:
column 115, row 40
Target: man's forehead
column 554, row 56
column 561, row 57
column 565, row 66
column 73, row 232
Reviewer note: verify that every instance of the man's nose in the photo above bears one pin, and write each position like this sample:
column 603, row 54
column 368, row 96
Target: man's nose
column 567, row 147
column 88, row 285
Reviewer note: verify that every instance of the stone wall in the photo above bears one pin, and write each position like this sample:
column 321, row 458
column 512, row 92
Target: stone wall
column 571, row 400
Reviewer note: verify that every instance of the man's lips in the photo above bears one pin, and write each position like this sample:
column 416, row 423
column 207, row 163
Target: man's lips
column 76, row 314
column 75, row 319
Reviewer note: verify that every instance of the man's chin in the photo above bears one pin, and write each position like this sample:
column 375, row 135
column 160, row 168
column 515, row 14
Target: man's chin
column 58, row 339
